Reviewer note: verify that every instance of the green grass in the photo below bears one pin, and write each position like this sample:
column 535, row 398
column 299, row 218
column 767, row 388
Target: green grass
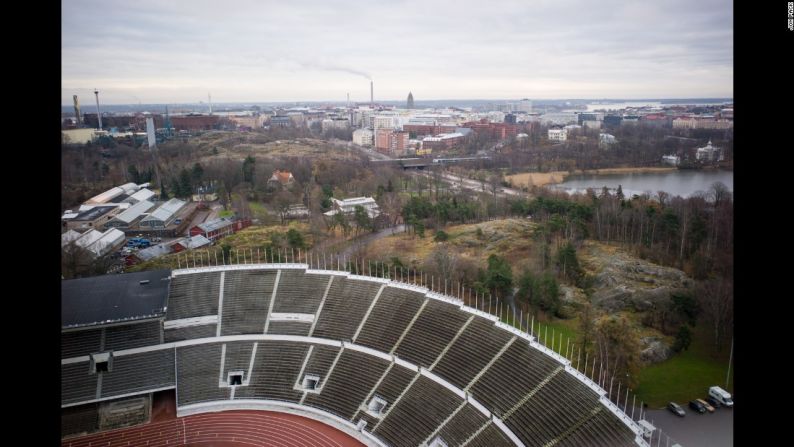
column 226, row 213
column 687, row 375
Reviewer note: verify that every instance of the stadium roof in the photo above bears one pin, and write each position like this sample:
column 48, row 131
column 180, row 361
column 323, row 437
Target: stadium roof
column 114, row 298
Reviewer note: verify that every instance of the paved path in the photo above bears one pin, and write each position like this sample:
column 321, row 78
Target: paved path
column 363, row 241
column 694, row 429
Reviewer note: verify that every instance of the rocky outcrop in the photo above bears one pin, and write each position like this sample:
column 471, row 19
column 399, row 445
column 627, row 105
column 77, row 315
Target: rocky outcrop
column 654, row 350
column 624, row 282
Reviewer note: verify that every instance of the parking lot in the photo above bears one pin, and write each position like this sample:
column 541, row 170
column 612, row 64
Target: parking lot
column 694, row 429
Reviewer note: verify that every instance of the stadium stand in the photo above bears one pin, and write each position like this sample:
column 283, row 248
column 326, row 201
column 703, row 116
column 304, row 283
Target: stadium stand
column 349, row 384
column 131, row 336
column 190, row 332
column 77, row 343
column 139, row 372
column 471, row 352
column 306, row 292
column 194, row 295
column 418, row 413
column 246, row 300
column 276, row 368
column 534, row 398
column 435, row 328
column 344, row 308
column 389, row 318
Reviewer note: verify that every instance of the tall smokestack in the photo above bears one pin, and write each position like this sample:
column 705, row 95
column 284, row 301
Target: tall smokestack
column 371, row 95
column 348, row 101
column 209, row 98
column 98, row 115
column 76, row 109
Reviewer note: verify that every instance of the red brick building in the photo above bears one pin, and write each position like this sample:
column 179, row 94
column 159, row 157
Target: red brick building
column 494, row 130
column 428, row 129
column 197, row 122
column 391, row 142
column 442, row 141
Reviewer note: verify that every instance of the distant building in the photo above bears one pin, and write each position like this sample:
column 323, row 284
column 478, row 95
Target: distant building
column 605, row 139
column 592, row 124
column 391, row 142
column 116, row 194
column 558, row 134
column 428, row 129
column 164, row 215
column 281, row 179
column 363, row 137
column 280, row 121
column 494, row 130
column 672, row 160
column 297, row 211
column 589, row 116
column 131, row 215
column 190, row 243
column 510, row 118
column 442, row 141
column 701, row 123
column 195, row 122
column 410, row 102
column 348, row 206
column 559, row 118
column 218, row 228
column 612, row 120
column 525, row 105
column 709, row 153
column 335, row 123
column 78, row 136
column 94, row 217
column 383, row 122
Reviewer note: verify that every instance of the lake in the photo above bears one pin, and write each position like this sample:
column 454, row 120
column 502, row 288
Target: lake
column 682, row 183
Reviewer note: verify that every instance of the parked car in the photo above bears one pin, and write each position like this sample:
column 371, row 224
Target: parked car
column 676, row 409
column 721, row 395
column 697, row 406
column 709, row 408
column 713, row 402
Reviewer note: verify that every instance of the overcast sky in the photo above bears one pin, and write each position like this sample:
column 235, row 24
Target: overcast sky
column 303, row 50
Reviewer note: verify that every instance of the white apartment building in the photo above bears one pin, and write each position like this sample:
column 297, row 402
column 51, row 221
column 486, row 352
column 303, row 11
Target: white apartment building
column 560, row 118
column 709, row 153
column 672, row 160
column 558, row 134
column 363, row 137
column 348, row 206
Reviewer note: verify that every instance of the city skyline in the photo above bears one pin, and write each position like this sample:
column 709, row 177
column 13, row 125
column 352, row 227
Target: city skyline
column 315, row 51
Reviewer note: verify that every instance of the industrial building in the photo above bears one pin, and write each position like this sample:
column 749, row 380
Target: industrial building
column 131, row 215
column 348, row 206
column 164, row 215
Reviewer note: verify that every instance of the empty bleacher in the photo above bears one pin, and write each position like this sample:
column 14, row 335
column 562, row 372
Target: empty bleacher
column 80, row 419
column 131, row 336
column 519, row 370
column 304, row 292
column 491, row 436
column 237, row 357
column 289, row 328
column 319, row 362
column 436, row 326
column 197, row 374
column 139, row 373
column 603, row 429
column 77, row 383
column 190, row 332
column 559, row 404
column 276, row 369
column 477, row 345
column 464, row 424
column 246, row 300
column 389, row 318
column 348, row 384
column 193, row 295
column 78, row 343
column 344, row 308
column 418, row 413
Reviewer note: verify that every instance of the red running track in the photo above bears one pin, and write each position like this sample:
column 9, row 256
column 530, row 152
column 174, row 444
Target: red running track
column 236, row 428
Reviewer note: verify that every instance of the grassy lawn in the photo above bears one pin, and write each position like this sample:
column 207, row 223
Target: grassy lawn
column 226, row 213
column 688, row 375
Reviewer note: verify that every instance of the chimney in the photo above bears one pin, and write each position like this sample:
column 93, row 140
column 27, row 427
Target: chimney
column 77, row 109
column 98, row 115
column 371, row 95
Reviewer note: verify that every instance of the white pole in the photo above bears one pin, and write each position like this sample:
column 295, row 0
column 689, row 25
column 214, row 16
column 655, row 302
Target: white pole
column 532, row 325
column 618, row 394
column 552, row 339
column 610, row 387
column 633, row 401
column 626, row 404
column 730, row 359
column 578, row 357
column 546, row 336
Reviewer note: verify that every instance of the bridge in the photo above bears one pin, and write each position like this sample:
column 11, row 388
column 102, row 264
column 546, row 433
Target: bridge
column 422, row 163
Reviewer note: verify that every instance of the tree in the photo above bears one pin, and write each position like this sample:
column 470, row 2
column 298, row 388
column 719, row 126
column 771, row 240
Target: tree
column 617, row 349
column 498, row 276
column 441, row 236
column 223, row 196
column 163, row 191
column 134, row 175
column 541, row 292
column 185, row 183
column 445, row 262
column 568, row 263
column 197, row 174
column 362, row 219
column 715, row 297
column 682, row 339
column 248, row 169
column 295, row 238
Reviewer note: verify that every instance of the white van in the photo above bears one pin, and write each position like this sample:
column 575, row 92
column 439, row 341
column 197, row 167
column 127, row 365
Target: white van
column 721, row 395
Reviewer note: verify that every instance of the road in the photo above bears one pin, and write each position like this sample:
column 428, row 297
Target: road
column 369, row 238
column 694, row 430
column 477, row 186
